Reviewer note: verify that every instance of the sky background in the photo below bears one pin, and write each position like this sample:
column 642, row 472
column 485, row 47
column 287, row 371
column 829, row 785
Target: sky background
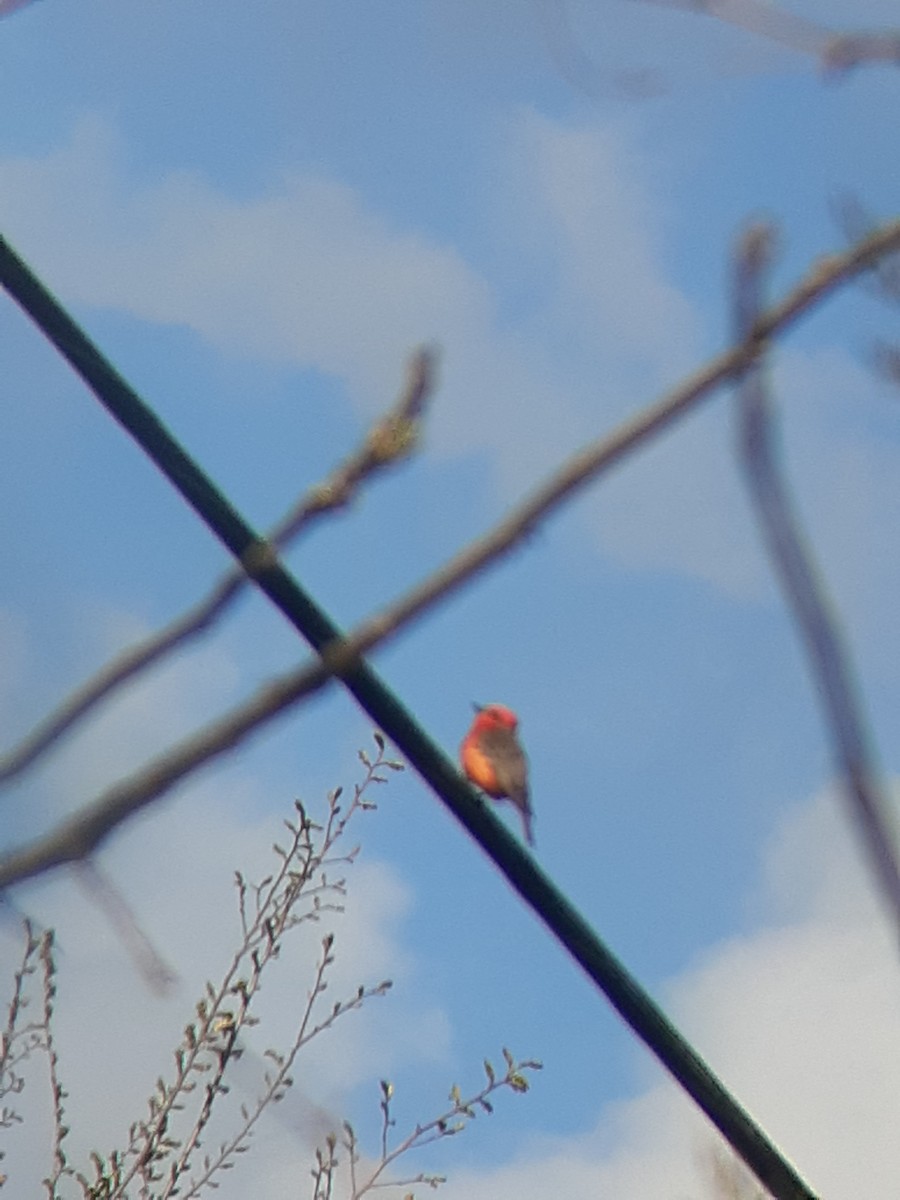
column 258, row 211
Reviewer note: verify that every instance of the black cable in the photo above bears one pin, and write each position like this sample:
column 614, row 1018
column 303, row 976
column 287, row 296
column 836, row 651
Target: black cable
column 633, row 1004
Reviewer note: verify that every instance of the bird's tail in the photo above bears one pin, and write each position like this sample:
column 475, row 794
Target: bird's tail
column 527, row 818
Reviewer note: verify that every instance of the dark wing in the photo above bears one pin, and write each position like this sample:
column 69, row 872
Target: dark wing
column 511, row 769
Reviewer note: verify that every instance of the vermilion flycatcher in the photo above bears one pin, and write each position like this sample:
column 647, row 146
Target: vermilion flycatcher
column 494, row 761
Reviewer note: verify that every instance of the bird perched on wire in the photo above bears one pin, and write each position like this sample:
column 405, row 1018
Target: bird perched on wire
column 493, row 759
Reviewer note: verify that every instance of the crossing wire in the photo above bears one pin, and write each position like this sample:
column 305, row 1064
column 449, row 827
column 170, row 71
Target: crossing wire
column 631, row 1001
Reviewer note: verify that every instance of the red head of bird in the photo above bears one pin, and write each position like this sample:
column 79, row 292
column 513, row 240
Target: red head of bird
column 493, row 759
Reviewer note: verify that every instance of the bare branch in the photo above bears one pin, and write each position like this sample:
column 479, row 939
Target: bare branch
column 449, row 1123
column 391, row 439
column 298, row 891
column 849, row 50
column 581, row 71
column 16, row 1041
column 76, row 838
column 761, row 18
column 150, row 964
column 836, row 52
column 857, row 223
column 58, row 1093
column 799, row 577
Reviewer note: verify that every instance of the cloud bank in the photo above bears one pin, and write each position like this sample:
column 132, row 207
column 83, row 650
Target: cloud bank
column 800, row 1017
column 307, row 274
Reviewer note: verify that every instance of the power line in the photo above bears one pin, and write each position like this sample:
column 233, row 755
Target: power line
column 623, row 991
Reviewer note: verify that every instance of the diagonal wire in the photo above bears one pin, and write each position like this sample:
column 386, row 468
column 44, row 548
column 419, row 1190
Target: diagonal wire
column 829, row 661
column 388, row 441
column 632, row 1002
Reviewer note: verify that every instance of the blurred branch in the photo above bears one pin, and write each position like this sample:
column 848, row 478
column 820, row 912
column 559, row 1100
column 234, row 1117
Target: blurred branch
column 76, row 838
column 761, row 18
column 148, row 961
column 728, row 1178
column 10, row 6
column 848, row 50
column 858, row 223
column 835, row 51
column 392, row 438
column 795, row 566
column 884, row 281
column 581, row 71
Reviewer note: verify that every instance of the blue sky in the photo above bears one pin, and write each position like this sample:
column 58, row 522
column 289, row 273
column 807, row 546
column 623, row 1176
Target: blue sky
column 258, row 211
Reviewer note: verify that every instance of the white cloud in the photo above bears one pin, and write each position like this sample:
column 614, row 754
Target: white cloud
column 681, row 504
column 175, row 868
column 800, row 1018
column 304, row 274
column 795, row 1015
column 587, row 211
column 307, row 273
column 590, row 221
column 678, row 507
column 145, row 716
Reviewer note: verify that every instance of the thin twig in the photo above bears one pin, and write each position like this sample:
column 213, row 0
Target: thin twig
column 268, row 910
column 76, row 838
column 214, row 1013
column 799, row 576
column 277, row 1083
column 58, row 1093
column 16, row 1041
column 451, row 1122
column 392, row 438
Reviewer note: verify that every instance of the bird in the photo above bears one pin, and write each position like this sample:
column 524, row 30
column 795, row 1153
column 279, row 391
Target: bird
column 493, row 759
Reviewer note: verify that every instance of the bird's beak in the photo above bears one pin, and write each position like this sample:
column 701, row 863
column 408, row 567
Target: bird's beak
column 478, row 707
